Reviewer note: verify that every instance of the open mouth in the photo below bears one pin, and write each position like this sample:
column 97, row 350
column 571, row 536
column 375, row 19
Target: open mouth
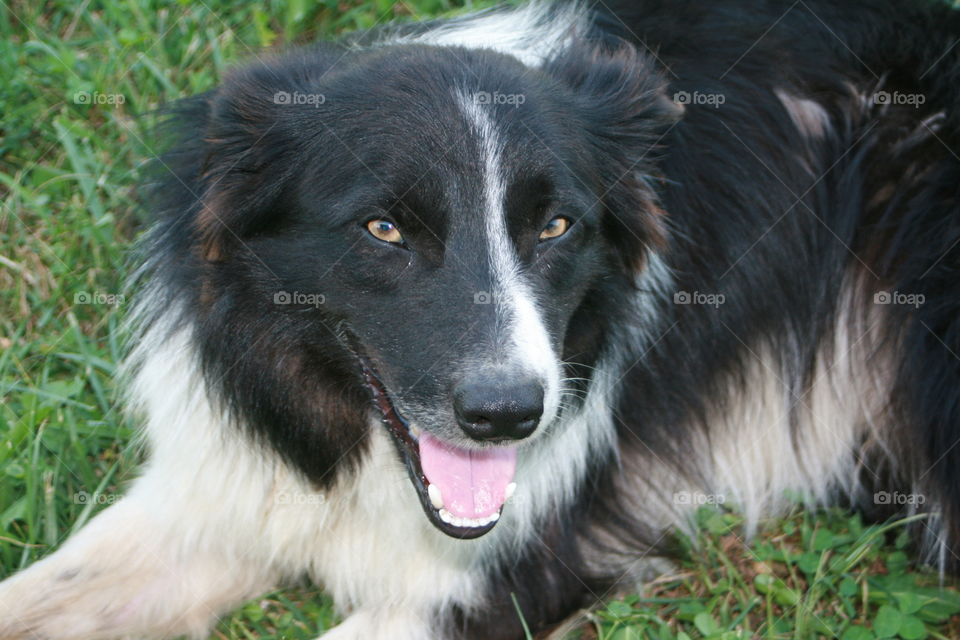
column 462, row 491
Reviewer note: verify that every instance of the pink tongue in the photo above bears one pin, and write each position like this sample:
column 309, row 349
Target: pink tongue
column 472, row 483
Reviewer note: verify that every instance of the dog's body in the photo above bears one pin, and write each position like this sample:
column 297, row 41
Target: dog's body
column 691, row 241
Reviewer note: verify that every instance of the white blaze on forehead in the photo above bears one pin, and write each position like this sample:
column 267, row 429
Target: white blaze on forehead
column 514, row 300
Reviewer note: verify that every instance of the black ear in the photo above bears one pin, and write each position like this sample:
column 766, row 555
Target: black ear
column 248, row 140
column 624, row 105
column 251, row 135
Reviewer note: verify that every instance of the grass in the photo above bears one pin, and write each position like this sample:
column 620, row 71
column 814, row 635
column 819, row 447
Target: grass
column 807, row 576
column 80, row 80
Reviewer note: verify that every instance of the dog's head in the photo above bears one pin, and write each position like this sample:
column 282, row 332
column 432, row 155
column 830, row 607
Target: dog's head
column 438, row 235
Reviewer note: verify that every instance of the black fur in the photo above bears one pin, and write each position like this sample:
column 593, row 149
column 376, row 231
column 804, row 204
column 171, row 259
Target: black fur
column 260, row 196
column 737, row 200
column 730, row 174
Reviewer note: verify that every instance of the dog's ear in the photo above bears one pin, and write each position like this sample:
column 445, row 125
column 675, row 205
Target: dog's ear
column 624, row 106
column 246, row 141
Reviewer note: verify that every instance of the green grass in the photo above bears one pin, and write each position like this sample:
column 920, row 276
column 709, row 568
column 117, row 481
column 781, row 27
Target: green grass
column 79, row 82
column 807, row 576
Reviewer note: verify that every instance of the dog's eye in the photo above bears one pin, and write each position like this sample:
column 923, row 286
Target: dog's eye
column 555, row 228
column 385, row 230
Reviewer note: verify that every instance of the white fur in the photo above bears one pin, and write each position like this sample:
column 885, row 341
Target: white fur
column 532, row 33
column 755, row 460
column 655, row 289
column 215, row 519
column 512, row 295
column 810, row 117
column 759, row 457
column 367, row 542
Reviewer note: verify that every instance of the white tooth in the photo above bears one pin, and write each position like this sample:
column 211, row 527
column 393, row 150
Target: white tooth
column 509, row 491
column 436, row 498
column 415, row 430
column 467, row 523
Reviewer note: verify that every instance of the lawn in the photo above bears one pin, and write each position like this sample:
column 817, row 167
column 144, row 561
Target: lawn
column 80, row 81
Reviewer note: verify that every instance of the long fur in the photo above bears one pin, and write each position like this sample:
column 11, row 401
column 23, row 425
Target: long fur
column 759, row 300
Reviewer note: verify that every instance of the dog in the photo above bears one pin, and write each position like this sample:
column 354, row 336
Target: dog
column 463, row 319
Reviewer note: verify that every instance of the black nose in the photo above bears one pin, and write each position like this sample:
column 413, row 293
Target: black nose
column 496, row 407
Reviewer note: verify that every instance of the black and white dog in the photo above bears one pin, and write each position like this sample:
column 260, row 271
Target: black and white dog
column 477, row 311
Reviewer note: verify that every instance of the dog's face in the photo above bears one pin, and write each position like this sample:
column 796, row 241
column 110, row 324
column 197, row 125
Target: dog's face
column 427, row 231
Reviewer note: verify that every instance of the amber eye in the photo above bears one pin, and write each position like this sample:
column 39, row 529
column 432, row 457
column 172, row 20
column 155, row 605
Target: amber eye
column 385, row 230
column 555, row 228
